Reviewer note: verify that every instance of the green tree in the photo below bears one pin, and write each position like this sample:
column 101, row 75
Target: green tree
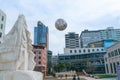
column 68, row 66
column 60, row 66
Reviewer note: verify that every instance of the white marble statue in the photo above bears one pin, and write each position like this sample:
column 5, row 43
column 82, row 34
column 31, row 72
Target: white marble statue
column 16, row 49
column 16, row 56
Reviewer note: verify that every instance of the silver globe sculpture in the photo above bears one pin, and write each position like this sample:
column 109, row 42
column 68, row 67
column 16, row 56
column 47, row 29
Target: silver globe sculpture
column 60, row 24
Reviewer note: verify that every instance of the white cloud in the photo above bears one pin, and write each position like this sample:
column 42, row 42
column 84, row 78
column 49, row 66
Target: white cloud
column 79, row 14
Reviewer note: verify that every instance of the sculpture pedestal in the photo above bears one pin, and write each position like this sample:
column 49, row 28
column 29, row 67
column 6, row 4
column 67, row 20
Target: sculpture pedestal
column 20, row 75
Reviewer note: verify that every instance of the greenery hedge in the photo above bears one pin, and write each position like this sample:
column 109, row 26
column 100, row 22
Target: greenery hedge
column 105, row 75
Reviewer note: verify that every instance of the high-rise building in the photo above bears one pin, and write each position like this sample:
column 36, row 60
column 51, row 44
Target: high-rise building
column 2, row 25
column 87, row 37
column 72, row 40
column 41, row 34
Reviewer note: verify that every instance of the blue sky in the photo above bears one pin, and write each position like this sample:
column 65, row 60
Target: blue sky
column 79, row 15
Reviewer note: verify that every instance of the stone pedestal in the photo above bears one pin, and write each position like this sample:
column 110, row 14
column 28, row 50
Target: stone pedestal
column 20, row 75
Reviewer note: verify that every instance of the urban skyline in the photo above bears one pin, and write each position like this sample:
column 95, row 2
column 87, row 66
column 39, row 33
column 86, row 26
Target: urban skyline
column 102, row 14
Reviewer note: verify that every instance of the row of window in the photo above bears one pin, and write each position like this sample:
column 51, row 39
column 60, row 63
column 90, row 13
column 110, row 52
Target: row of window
column 0, row 34
column 38, row 52
column 87, row 56
column 38, row 57
column 84, row 50
column 114, row 53
column 113, row 67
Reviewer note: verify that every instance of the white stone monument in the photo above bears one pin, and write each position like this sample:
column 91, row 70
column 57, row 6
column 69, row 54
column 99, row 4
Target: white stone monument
column 16, row 56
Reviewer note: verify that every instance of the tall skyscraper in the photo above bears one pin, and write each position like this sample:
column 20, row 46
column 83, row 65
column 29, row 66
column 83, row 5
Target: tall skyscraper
column 41, row 34
column 87, row 37
column 2, row 25
column 72, row 40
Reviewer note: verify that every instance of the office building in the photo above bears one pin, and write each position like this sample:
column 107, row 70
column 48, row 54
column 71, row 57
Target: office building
column 54, row 62
column 2, row 25
column 40, row 58
column 89, row 59
column 87, row 37
column 49, row 62
column 72, row 40
column 112, row 59
column 41, row 34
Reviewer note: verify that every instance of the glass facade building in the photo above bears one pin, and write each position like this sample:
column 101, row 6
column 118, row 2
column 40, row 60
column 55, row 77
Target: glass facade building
column 87, row 37
column 41, row 34
column 86, row 61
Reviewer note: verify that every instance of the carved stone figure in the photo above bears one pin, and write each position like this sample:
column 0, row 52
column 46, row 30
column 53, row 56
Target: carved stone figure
column 16, row 50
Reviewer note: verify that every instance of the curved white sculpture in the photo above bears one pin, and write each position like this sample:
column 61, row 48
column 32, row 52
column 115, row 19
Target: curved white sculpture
column 16, row 50
column 16, row 56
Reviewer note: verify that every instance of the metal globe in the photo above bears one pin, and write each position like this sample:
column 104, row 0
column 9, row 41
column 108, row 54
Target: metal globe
column 60, row 24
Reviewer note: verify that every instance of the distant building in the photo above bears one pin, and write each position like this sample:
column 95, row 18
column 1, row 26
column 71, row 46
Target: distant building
column 89, row 59
column 87, row 37
column 104, row 43
column 112, row 59
column 2, row 25
column 40, row 58
column 54, row 61
column 72, row 40
column 49, row 62
column 41, row 34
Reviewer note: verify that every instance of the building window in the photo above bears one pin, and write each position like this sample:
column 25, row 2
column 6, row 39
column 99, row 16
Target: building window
column 119, row 51
column 112, row 54
column 97, row 49
column 116, row 52
column 39, row 57
column 109, row 54
column 70, row 51
column 117, row 63
column 35, row 57
column 34, row 52
column 39, row 62
column 75, row 51
column 107, row 68
column 2, row 18
column 111, row 67
column 0, row 34
column 101, row 49
column 84, row 50
column 1, row 26
column 39, row 52
column 79, row 51
column 114, row 67
column 93, row 50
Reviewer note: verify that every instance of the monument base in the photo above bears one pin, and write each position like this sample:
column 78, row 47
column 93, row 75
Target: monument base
column 20, row 75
